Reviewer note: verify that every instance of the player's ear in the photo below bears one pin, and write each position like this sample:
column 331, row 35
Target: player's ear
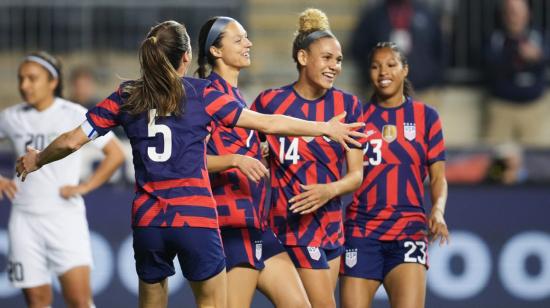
column 302, row 57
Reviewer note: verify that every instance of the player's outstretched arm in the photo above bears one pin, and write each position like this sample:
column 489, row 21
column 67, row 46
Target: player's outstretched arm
column 275, row 124
column 114, row 157
column 251, row 167
column 438, row 190
column 62, row 146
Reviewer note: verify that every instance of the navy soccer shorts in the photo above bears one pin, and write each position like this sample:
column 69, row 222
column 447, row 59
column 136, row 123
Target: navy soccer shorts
column 249, row 247
column 374, row 259
column 199, row 251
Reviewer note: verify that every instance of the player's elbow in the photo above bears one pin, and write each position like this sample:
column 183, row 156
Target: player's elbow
column 356, row 180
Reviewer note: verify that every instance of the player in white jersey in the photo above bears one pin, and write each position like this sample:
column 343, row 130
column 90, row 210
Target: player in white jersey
column 48, row 231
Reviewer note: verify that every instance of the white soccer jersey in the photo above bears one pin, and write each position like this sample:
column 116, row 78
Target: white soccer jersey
column 24, row 126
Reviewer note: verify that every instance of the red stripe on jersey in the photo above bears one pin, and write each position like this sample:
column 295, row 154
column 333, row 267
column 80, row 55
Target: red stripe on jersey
column 320, row 112
column 419, row 117
column 411, row 194
column 435, row 129
column 110, row 105
column 268, row 97
column 384, row 116
column 391, row 186
column 407, row 146
column 192, row 200
column 139, row 202
column 373, row 224
column 152, row 186
column 304, row 223
column 202, row 222
column 218, row 85
column 218, row 103
column 246, row 238
column 436, row 150
column 285, row 104
column 339, row 103
column 305, row 109
column 415, row 172
column 367, row 113
column 150, row 214
column 102, row 122
column 371, row 197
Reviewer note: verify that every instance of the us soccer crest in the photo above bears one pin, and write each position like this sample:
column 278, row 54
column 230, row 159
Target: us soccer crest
column 258, row 250
column 314, row 253
column 351, row 257
column 389, row 133
column 409, row 130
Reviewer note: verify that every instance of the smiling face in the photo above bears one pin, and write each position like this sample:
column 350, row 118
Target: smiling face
column 322, row 62
column 387, row 74
column 36, row 85
column 235, row 50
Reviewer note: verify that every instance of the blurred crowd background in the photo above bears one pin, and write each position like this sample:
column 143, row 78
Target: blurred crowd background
column 490, row 90
column 483, row 64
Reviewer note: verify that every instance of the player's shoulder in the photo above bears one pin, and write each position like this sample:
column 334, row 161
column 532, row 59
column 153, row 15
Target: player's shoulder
column 429, row 110
column 195, row 87
column 14, row 109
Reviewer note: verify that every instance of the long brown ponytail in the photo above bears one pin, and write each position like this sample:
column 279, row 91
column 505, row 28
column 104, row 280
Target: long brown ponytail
column 160, row 86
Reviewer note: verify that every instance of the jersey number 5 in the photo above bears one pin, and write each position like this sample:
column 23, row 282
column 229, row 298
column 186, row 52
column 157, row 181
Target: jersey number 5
column 152, row 130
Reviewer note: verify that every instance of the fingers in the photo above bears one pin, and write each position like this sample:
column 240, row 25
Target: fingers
column 355, row 125
column 344, row 144
column 10, row 191
column 353, row 141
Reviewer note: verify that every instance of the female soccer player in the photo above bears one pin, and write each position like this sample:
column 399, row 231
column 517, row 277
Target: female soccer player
column 48, row 231
column 254, row 256
column 306, row 173
column 167, row 117
column 386, row 228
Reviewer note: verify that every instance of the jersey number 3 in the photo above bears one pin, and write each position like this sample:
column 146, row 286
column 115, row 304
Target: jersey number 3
column 152, row 130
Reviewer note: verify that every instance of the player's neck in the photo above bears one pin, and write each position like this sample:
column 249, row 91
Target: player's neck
column 44, row 104
column 391, row 102
column 229, row 74
column 308, row 90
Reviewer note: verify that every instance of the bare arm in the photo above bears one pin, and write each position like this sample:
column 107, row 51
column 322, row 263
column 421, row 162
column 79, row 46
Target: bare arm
column 61, row 147
column 317, row 195
column 276, row 124
column 114, row 157
column 438, row 192
column 251, row 167
column 7, row 187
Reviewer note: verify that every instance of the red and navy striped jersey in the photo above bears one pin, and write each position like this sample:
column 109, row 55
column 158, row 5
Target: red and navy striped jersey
column 306, row 160
column 240, row 201
column 403, row 142
column 169, row 154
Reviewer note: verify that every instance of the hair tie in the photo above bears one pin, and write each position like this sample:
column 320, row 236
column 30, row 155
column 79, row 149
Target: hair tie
column 315, row 35
column 50, row 68
column 154, row 39
column 216, row 30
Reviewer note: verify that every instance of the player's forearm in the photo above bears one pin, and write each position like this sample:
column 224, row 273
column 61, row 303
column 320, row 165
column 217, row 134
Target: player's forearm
column 62, row 146
column 285, row 125
column 114, row 157
column 276, row 124
column 219, row 163
column 347, row 184
column 438, row 193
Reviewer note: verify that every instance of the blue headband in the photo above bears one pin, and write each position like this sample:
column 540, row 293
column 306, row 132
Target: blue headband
column 315, row 35
column 216, row 30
